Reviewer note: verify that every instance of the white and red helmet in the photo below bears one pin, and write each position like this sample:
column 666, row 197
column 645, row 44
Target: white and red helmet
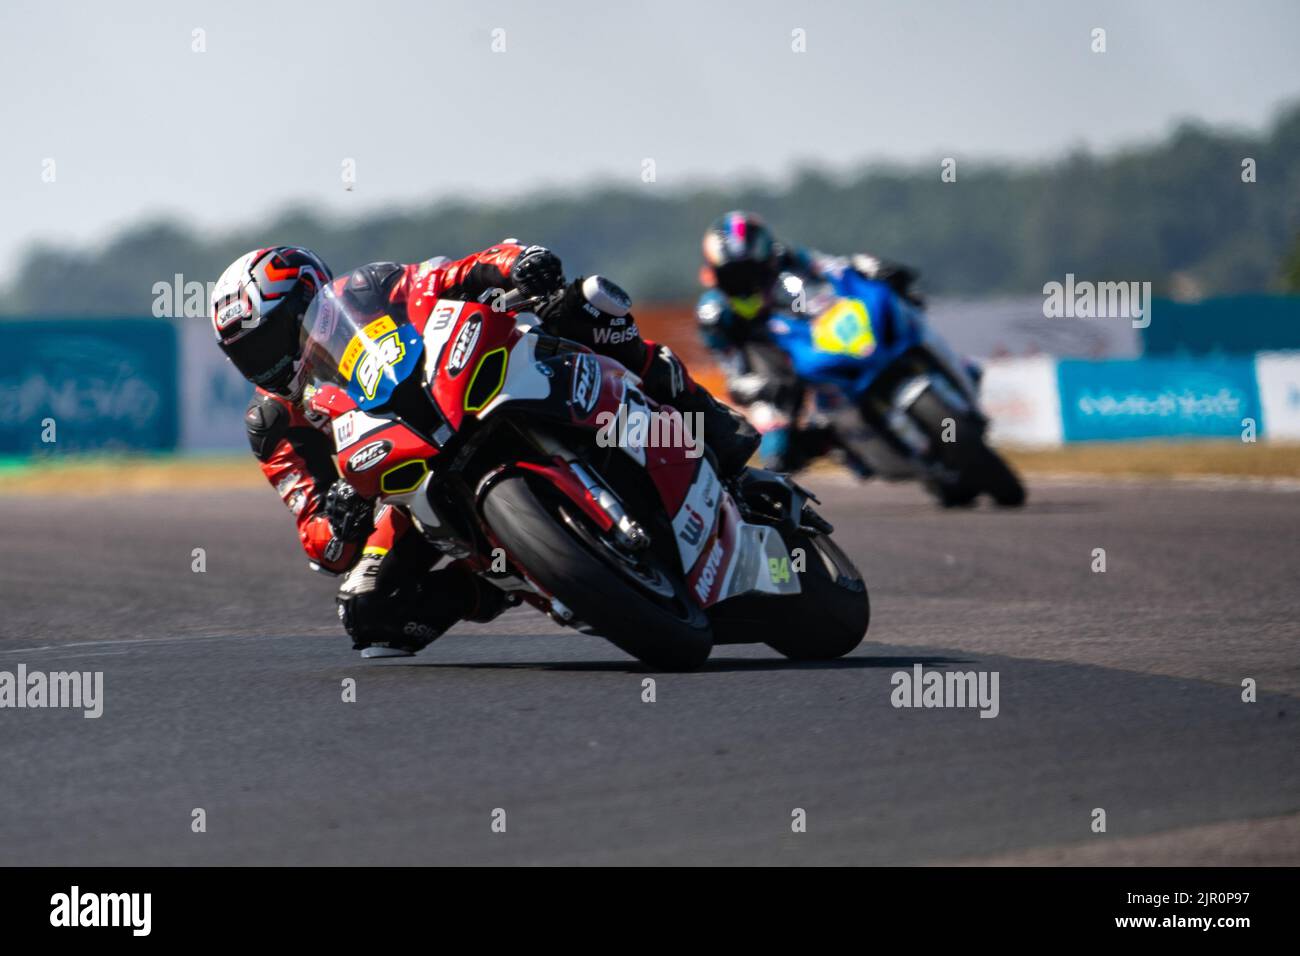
column 257, row 310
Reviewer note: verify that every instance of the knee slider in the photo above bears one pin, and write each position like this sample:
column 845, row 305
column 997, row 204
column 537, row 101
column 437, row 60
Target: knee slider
column 358, row 615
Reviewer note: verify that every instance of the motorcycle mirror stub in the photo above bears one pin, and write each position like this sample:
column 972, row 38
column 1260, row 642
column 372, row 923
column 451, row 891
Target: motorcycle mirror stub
column 605, row 298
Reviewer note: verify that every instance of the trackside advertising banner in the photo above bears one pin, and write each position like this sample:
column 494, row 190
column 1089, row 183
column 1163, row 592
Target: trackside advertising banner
column 1278, row 374
column 87, row 385
column 1157, row 398
column 1022, row 399
column 214, row 396
column 105, row 385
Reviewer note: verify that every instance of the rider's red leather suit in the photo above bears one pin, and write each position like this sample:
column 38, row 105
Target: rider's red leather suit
column 296, row 453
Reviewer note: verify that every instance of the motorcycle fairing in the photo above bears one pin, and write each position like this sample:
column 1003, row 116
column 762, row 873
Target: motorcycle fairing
column 327, row 400
column 531, row 381
column 460, row 340
column 845, row 328
column 956, row 369
column 389, row 460
column 741, row 558
column 378, row 358
column 354, row 426
column 696, row 518
column 847, row 338
column 369, row 449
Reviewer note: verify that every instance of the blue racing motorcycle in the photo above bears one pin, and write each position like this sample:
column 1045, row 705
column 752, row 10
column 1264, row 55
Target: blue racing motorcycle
column 898, row 401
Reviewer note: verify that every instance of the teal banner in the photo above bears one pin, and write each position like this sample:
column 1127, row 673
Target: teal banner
column 75, row 385
column 1230, row 325
column 1157, row 398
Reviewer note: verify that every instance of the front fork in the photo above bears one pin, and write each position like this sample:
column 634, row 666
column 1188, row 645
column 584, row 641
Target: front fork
column 608, row 508
column 899, row 416
column 573, row 479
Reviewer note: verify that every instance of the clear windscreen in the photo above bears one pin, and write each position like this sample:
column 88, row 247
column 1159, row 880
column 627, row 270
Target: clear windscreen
column 367, row 353
column 801, row 297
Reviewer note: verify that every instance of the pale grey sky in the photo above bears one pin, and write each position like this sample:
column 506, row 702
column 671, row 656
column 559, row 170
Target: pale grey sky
column 138, row 124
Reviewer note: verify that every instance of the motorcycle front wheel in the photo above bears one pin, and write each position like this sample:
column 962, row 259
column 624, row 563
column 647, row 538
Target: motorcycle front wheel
column 642, row 607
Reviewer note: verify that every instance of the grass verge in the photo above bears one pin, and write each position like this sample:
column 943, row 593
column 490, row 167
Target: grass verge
column 1163, row 459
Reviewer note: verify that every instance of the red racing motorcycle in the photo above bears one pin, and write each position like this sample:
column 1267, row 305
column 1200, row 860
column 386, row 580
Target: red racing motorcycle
column 545, row 467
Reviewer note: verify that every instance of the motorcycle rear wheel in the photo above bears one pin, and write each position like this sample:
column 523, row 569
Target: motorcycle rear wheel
column 826, row 620
column 831, row 616
column 978, row 468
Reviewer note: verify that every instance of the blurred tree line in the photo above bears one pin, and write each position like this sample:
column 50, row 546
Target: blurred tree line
column 1176, row 212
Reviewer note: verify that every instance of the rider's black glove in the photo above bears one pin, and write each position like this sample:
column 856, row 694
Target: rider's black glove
column 569, row 310
column 902, row 279
column 537, row 271
column 351, row 517
column 595, row 312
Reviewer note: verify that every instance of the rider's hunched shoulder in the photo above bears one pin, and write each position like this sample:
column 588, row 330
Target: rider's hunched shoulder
column 267, row 420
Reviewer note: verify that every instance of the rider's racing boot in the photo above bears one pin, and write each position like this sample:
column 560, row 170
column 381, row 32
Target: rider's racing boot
column 731, row 437
column 597, row 313
column 405, row 620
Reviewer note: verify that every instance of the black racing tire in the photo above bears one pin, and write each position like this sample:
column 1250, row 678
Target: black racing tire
column 997, row 478
column 979, row 469
column 961, row 494
column 826, row 620
column 831, row 615
column 528, row 519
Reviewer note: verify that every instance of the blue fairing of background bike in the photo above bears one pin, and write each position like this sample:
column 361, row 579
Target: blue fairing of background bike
column 391, row 375
column 895, row 325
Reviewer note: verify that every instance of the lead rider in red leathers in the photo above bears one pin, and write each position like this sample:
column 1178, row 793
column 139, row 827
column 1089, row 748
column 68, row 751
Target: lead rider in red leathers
column 390, row 600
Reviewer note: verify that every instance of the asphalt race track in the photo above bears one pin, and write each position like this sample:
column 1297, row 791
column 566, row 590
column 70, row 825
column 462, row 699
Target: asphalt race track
column 222, row 690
